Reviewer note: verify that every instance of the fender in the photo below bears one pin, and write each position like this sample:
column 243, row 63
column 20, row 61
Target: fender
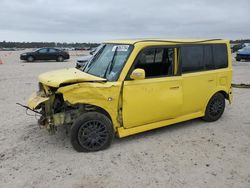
column 101, row 94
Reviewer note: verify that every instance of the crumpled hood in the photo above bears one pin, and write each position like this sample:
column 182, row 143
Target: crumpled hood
column 66, row 76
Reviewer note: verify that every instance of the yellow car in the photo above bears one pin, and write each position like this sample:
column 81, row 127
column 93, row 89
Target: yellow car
column 132, row 86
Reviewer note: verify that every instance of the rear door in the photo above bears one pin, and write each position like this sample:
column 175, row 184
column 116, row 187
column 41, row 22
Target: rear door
column 199, row 76
column 52, row 54
column 159, row 96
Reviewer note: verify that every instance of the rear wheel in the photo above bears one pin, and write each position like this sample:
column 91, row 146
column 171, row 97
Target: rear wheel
column 60, row 59
column 215, row 108
column 30, row 58
column 92, row 131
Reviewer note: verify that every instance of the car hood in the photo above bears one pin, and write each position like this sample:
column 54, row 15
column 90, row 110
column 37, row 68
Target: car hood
column 66, row 76
column 26, row 53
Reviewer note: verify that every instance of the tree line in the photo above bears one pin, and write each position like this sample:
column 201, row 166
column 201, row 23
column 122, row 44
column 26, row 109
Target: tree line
column 240, row 41
column 5, row 44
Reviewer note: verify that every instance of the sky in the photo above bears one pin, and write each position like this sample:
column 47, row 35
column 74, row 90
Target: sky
column 100, row 20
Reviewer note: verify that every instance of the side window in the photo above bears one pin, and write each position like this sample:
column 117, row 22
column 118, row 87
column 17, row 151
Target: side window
column 44, row 50
column 203, row 57
column 192, row 58
column 156, row 62
column 208, row 57
column 52, row 50
column 220, row 56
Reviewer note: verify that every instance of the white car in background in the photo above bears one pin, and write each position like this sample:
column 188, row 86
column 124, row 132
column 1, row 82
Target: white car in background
column 82, row 61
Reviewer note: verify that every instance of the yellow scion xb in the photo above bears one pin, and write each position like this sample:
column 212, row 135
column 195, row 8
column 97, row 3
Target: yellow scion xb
column 132, row 86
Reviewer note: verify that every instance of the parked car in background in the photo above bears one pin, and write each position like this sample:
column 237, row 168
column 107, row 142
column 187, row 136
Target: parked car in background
column 243, row 54
column 92, row 51
column 45, row 54
column 236, row 47
column 82, row 61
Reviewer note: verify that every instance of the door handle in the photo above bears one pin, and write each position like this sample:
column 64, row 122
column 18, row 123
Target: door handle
column 175, row 87
column 211, row 80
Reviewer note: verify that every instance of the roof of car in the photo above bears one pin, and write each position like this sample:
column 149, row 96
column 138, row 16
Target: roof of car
column 134, row 41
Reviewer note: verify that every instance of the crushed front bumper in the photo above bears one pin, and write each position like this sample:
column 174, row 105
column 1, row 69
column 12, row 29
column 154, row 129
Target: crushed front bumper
column 50, row 116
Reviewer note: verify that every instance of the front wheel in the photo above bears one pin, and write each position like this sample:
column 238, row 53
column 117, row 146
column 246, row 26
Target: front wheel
column 30, row 59
column 215, row 108
column 60, row 59
column 92, row 131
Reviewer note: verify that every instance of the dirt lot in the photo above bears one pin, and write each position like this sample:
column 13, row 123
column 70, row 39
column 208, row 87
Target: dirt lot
column 190, row 154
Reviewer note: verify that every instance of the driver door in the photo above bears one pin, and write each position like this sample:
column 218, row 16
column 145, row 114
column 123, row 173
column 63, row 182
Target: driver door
column 42, row 54
column 158, row 97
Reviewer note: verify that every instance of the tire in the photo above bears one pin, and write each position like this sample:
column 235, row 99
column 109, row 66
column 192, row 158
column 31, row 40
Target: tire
column 238, row 59
column 92, row 131
column 215, row 108
column 60, row 59
column 30, row 59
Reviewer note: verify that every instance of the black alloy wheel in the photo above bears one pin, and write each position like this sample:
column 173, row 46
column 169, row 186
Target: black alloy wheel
column 92, row 132
column 215, row 107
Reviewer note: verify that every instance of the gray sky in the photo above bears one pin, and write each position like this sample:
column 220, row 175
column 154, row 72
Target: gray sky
column 99, row 20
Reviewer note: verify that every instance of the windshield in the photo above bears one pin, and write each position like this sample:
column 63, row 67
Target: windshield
column 108, row 61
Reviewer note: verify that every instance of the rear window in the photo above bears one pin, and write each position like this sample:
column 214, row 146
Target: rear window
column 203, row 57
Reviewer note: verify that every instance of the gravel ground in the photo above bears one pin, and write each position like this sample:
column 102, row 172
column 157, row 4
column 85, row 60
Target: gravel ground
column 190, row 154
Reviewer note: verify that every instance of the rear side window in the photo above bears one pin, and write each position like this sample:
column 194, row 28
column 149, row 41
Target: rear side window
column 203, row 57
column 208, row 57
column 192, row 58
column 220, row 56
column 51, row 50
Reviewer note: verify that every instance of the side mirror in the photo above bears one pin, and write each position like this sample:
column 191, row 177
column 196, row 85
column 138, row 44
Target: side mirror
column 138, row 74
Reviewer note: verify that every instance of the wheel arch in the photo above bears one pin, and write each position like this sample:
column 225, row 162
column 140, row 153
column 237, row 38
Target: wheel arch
column 88, row 107
column 100, row 110
column 222, row 91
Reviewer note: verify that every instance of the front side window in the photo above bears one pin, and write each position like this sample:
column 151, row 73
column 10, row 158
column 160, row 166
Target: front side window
column 44, row 50
column 156, row 62
column 109, row 61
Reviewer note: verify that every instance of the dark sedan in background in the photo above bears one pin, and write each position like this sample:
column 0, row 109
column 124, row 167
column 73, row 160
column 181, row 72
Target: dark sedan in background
column 45, row 54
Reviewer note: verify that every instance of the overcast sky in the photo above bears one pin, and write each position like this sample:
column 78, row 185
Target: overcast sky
column 99, row 20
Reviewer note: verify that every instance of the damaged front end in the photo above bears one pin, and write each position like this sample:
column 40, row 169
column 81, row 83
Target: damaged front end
column 53, row 109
